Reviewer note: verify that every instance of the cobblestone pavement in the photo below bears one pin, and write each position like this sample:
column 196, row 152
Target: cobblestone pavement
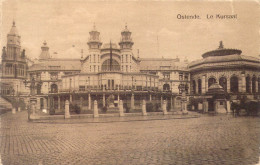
column 205, row 140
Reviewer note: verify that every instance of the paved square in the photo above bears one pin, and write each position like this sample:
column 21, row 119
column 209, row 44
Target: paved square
column 204, row 140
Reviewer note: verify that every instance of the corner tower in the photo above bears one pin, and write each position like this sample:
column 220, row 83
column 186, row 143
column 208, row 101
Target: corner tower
column 93, row 58
column 126, row 44
column 13, row 59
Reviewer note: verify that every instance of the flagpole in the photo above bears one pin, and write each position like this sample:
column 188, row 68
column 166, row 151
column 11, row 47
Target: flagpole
column 110, row 56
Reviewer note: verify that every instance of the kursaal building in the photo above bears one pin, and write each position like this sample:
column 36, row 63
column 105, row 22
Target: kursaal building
column 112, row 71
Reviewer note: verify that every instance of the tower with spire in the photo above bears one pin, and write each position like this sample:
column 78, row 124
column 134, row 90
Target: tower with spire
column 94, row 44
column 13, row 59
column 14, row 65
column 126, row 44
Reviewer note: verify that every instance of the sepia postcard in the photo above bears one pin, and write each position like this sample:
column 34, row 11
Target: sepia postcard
column 129, row 82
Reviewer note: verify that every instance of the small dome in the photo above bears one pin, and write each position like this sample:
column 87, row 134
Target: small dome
column 45, row 51
column 221, row 51
column 13, row 30
column 215, row 89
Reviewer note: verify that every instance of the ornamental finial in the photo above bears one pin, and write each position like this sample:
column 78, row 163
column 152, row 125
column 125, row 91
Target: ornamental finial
column 94, row 26
column 221, row 46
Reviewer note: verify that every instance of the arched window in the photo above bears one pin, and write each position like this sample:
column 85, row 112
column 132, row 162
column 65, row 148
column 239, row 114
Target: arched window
column 211, row 81
column 234, row 84
column 166, row 87
column 248, row 84
column 199, row 86
column 54, row 88
column 223, row 83
column 194, row 86
column 8, row 69
column 254, row 85
column 114, row 67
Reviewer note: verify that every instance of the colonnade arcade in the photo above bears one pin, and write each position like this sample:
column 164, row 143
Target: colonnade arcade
column 132, row 99
column 234, row 83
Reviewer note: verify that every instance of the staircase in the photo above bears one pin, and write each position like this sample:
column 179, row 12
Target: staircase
column 4, row 103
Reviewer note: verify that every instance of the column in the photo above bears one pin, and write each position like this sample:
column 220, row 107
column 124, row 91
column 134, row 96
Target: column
column 164, row 107
column 104, row 100
column 96, row 109
column 70, row 98
column 133, row 101
column 215, row 106
column 150, row 97
column 203, row 84
column 161, row 102
column 59, row 103
column 184, row 107
column 45, row 103
column 67, row 109
column 228, row 85
column 242, row 85
column 49, row 103
column 174, row 102
column 256, row 86
column 144, row 108
column 205, row 105
column 171, row 104
column 13, row 110
column 206, row 84
column 19, row 109
column 89, row 101
column 196, row 87
column 81, row 103
column 228, row 106
column 121, row 108
column 118, row 99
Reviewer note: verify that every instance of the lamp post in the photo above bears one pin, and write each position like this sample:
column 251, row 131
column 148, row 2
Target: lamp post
column 33, row 100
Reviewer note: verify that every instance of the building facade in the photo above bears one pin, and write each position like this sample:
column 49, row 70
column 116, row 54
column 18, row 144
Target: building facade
column 112, row 70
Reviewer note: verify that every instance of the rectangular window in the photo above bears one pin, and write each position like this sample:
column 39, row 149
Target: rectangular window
column 126, row 68
column 126, row 58
column 180, row 76
column 81, row 88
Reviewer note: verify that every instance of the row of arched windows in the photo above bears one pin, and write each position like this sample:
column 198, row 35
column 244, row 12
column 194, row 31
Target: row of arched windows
column 234, row 84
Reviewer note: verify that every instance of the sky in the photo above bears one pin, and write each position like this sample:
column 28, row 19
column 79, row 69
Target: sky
column 156, row 31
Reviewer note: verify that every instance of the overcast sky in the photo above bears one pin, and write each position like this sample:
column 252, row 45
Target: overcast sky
column 68, row 22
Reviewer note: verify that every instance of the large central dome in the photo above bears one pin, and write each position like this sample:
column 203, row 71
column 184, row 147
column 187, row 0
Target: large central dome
column 221, row 51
